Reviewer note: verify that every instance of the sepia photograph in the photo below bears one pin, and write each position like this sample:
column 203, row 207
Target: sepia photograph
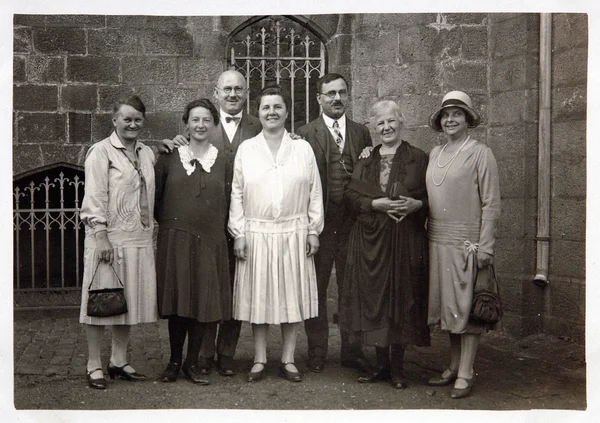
column 304, row 214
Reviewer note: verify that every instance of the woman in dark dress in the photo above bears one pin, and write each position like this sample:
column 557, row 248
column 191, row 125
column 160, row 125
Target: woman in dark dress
column 192, row 261
column 385, row 303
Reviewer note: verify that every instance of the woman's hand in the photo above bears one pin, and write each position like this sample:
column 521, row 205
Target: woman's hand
column 484, row 259
column 239, row 248
column 385, row 204
column 104, row 247
column 312, row 245
column 408, row 205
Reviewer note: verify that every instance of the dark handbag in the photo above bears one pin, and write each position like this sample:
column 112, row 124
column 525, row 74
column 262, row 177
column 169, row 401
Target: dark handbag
column 487, row 306
column 108, row 301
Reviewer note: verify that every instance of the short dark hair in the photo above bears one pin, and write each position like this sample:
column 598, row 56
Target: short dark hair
column 275, row 90
column 133, row 101
column 205, row 103
column 327, row 78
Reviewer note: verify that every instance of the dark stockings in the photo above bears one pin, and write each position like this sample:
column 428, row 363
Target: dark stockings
column 179, row 327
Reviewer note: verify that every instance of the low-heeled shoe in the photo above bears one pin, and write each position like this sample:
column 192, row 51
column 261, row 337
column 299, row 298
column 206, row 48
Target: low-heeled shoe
column 316, row 364
column 99, row 383
column 256, row 376
column 171, row 372
column 441, row 380
column 206, row 365
column 226, row 365
column 465, row 392
column 194, row 374
column 120, row 373
column 381, row 373
column 286, row 374
column 399, row 383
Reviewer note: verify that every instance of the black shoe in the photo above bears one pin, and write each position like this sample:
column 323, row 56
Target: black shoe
column 206, row 365
column 464, row 392
column 119, row 372
column 399, row 382
column 316, row 364
column 99, row 383
column 380, row 373
column 171, row 372
column 286, row 374
column 226, row 365
column 359, row 364
column 256, row 376
column 193, row 373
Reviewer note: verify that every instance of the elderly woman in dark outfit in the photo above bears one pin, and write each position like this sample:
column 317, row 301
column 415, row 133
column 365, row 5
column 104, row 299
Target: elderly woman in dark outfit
column 386, row 301
column 192, row 260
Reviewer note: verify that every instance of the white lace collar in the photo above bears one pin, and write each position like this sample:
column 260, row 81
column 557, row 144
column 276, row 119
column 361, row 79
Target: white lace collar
column 207, row 160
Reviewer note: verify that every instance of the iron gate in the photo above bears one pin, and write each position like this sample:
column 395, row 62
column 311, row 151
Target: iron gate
column 278, row 50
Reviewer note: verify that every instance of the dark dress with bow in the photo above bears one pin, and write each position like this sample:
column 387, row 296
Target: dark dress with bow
column 192, row 260
column 385, row 295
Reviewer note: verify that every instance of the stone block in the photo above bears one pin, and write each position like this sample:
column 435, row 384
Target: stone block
column 416, row 78
column 209, row 45
column 109, row 94
column 19, row 74
column 22, row 40
column 41, row 128
column 511, row 219
column 199, row 71
column 80, row 128
column 162, row 125
column 511, row 291
column 26, row 157
column 35, row 97
column 509, row 37
column 512, row 324
column 565, row 300
column 86, row 21
column 328, row 23
column 569, row 67
column 45, row 69
column 174, row 98
column 567, row 258
column 562, row 326
column 102, row 126
column 416, row 108
column 471, row 75
column 340, row 51
column 56, row 153
column 508, row 74
column 149, row 70
column 168, row 21
column 567, row 219
column 569, row 103
column 512, row 175
column 507, row 141
column 568, row 175
column 172, row 42
column 507, row 108
column 508, row 255
column 569, row 30
column 113, row 41
column 93, row 69
column 79, row 97
column 366, row 22
column 59, row 40
column 376, row 47
column 569, row 138
column 29, row 20
column 474, row 44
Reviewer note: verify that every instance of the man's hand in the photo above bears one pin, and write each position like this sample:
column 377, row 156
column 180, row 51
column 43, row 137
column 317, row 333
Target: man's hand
column 295, row 136
column 167, row 145
column 312, row 245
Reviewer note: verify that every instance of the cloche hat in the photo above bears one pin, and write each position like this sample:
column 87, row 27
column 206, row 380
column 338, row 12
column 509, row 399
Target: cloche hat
column 455, row 99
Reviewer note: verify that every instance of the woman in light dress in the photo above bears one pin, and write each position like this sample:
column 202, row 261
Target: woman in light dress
column 117, row 212
column 464, row 209
column 276, row 216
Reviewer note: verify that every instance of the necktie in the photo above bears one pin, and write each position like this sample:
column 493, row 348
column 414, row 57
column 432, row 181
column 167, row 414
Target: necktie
column 235, row 119
column 339, row 140
column 144, row 208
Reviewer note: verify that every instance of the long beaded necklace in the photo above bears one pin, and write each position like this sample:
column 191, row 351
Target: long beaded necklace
column 448, row 164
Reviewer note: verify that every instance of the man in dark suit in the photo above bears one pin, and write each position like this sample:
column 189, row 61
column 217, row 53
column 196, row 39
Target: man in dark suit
column 236, row 126
column 337, row 143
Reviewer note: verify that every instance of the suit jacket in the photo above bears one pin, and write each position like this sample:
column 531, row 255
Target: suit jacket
column 317, row 134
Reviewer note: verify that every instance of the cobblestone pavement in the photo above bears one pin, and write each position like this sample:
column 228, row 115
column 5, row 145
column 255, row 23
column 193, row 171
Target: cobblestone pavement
column 537, row 372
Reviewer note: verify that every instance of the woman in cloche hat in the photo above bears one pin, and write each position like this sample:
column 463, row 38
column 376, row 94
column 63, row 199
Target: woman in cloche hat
column 464, row 209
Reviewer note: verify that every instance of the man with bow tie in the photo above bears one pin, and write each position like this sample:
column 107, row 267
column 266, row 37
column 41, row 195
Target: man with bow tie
column 337, row 143
column 236, row 126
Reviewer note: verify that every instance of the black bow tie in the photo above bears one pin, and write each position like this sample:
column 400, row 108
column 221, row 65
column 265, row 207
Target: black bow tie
column 236, row 119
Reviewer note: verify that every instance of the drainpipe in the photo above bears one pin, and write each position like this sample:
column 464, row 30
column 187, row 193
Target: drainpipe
column 544, row 135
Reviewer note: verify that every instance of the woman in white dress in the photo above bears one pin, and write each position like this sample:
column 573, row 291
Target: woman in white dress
column 117, row 212
column 276, row 216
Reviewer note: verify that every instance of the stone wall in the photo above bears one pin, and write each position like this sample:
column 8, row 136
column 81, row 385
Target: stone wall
column 69, row 69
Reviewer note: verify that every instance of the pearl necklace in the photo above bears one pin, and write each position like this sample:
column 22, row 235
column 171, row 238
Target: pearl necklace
column 448, row 163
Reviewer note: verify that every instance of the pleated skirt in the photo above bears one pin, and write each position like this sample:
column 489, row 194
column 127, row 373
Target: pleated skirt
column 135, row 267
column 277, row 283
column 192, row 277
